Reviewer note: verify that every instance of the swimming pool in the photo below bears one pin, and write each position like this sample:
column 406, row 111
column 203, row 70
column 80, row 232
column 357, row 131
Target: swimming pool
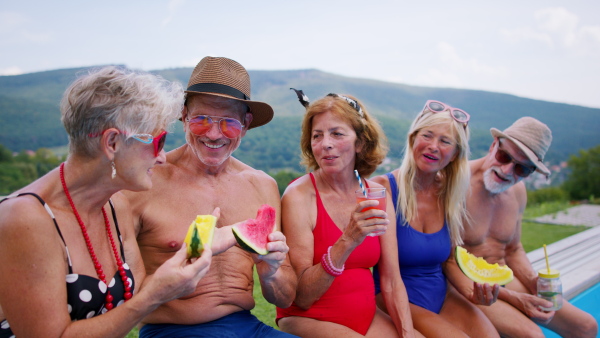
column 588, row 301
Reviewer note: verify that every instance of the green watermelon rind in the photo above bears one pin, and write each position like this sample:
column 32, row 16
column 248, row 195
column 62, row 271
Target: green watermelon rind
column 245, row 243
column 264, row 216
column 196, row 248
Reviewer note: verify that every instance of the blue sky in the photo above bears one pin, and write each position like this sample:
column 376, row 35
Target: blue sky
column 547, row 50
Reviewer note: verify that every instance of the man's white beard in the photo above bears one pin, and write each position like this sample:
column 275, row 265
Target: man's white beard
column 492, row 185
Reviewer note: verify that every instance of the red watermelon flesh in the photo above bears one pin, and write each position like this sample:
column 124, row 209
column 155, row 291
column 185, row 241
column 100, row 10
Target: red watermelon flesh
column 252, row 234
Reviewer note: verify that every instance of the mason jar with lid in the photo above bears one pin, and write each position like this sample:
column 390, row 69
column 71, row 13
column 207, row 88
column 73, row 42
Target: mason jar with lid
column 549, row 287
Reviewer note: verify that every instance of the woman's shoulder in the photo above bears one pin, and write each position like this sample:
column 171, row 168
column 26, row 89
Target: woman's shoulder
column 382, row 180
column 25, row 222
column 299, row 188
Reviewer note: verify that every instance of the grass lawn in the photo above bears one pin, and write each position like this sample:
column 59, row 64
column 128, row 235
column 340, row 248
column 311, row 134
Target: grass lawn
column 534, row 236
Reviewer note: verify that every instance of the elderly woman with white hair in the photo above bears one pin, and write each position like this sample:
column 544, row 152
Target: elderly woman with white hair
column 70, row 262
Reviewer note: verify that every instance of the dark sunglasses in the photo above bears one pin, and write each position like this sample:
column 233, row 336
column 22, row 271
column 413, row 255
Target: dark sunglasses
column 458, row 115
column 520, row 169
column 229, row 127
column 158, row 141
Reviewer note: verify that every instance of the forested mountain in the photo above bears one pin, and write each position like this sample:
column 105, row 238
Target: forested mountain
column 30, row 118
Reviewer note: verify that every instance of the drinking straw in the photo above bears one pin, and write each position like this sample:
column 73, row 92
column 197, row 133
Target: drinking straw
column 362, row 187
column 547, row 262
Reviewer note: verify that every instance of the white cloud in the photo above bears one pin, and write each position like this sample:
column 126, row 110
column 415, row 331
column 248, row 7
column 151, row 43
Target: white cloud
column 173, row 6
column 455, row 70
column 10, row 20
column 450, row 58
column 526, row 34
column 559, row 22
column 11, row 71
column 557, row 27
column 439, row 78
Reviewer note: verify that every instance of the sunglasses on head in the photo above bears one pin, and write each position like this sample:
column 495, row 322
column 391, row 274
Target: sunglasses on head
column 158, row 141
column 519, row 169
column 229, row 127
column 458, row 115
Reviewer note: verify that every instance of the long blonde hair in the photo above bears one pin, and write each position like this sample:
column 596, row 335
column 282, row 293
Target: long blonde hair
column 454, row 177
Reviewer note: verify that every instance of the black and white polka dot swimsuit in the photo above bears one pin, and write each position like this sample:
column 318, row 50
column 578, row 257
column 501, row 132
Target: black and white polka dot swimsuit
column 85, row 294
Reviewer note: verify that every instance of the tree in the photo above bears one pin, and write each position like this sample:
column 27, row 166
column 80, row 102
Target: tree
column 283, row 178
column 5, row 154
column 584, row 180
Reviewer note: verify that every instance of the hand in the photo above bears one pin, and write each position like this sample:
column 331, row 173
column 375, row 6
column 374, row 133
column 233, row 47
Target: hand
column 484, row 294
column 178, row 276
column 531, row 306
column 365, row 222
column 223, row 238
column 267, row 265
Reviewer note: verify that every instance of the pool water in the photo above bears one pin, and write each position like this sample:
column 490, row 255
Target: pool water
column 588, row 301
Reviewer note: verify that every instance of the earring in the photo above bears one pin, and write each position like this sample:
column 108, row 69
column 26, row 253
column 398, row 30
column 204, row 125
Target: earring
column 114, row 170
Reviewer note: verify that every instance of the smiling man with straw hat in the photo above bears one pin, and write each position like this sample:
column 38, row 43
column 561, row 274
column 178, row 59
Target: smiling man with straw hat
column 197, row 178
column 495, row 204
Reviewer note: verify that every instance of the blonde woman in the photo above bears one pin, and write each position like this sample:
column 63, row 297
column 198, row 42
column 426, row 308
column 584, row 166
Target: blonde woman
column 429, row 191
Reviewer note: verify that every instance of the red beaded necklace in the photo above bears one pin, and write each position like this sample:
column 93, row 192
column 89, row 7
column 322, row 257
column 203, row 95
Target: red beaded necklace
column 109, row 298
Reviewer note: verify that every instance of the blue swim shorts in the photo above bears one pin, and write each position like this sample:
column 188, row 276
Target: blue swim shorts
column 241, row 324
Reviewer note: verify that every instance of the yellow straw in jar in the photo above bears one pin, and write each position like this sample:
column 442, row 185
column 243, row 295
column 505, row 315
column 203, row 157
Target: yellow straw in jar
column 547, row 262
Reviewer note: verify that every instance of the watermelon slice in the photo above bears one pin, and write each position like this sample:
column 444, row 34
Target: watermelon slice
column 252, row 234
column 200, row 234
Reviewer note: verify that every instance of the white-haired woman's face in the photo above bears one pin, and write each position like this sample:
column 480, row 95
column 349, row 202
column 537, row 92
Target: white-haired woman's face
column 434, row 148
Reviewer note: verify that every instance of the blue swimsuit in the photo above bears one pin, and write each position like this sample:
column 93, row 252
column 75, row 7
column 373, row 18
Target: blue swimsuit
column 85, row 294
column 421, row 256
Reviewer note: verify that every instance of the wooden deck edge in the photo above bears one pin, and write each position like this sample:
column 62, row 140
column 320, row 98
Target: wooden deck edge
column 578, row 259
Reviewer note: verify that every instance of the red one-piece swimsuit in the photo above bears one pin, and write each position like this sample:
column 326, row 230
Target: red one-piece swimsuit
column 350, row 300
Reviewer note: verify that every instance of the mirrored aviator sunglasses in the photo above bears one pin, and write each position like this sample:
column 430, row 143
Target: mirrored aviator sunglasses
column 158, row 141
column 458, row 115
column 229, row 127
column 519, row 169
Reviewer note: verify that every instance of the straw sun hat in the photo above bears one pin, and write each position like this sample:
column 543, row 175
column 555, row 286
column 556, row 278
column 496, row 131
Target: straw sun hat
column 532, row 137
column 224, row 77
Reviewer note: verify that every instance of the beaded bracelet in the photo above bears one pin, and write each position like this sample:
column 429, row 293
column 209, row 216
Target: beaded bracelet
column 328, row 264
column 340, row 270
column 326, row 267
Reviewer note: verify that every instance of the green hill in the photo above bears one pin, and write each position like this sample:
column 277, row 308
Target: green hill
column 30, row 119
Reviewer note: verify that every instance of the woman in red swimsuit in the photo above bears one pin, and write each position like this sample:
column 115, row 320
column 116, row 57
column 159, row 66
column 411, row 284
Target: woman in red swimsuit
column 328, row 234
column 68, row 267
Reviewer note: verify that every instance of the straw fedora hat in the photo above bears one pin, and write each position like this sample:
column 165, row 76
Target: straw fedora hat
column 224, row 77
column 532, row 137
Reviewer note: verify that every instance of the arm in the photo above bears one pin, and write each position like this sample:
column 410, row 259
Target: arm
column 476, row 293
column 392, row 287
column 299, row 212
column 277, row 279
column 516, row 258
column 31, row 249
column 515, row 255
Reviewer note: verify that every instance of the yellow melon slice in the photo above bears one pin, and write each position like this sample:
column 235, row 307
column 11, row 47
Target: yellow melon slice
column 200, row 235
column 480, row 271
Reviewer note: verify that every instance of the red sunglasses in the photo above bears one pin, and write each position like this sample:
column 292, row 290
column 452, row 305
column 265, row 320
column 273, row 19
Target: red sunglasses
column 158, row 141
column 520, row 169
column 229, row 127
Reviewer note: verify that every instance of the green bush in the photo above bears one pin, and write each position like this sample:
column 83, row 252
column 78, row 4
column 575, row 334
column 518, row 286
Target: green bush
column 584, row 180
column 550, row 194
column 284, row 177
